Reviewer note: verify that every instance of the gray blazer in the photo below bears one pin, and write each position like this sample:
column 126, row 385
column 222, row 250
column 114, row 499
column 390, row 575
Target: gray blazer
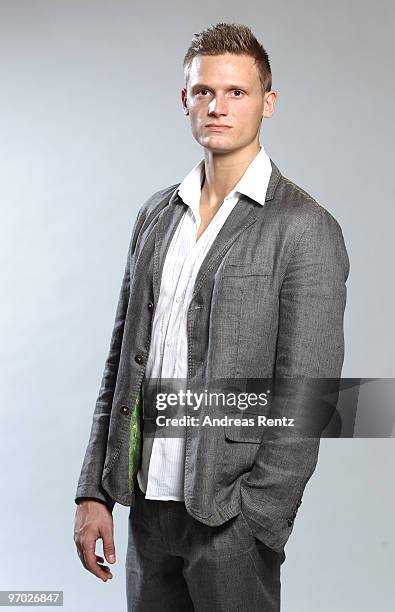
column 268, row 301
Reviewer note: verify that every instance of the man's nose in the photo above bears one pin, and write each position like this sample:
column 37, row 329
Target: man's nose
column 218, row 106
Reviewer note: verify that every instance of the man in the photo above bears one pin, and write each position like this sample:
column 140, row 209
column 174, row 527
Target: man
column 235, row 273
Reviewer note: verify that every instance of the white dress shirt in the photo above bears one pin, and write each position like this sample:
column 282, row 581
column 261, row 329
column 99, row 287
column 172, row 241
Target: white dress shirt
column 161, row 475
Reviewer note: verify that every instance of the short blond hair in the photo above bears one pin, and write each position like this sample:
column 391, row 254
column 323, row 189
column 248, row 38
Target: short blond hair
column 230, row 38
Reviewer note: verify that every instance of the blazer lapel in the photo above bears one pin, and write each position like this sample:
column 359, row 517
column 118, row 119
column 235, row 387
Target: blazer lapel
column 241, row 217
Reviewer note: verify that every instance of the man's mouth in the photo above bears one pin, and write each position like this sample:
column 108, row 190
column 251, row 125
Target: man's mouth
column 217, row 127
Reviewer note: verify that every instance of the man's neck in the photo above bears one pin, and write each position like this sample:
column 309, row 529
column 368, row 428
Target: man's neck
column 223, row 172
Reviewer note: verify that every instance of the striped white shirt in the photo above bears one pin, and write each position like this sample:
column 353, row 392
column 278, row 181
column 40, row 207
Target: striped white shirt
column 161, row 475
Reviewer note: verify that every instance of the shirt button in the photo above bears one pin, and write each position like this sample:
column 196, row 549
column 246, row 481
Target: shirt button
column 167, row 343
column 139, row 359
column 124, row 409
column 150, row 306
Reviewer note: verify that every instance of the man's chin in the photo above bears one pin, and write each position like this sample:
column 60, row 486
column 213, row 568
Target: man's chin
column 217, row 145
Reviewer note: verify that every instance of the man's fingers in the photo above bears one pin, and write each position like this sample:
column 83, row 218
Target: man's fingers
column 107, row 570
column 99, row 560
column 80, row 552
column 108, row 543
column 81, row 555
column 92, row 565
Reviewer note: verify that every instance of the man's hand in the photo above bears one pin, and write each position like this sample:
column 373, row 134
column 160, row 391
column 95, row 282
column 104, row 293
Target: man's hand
column 93, row 520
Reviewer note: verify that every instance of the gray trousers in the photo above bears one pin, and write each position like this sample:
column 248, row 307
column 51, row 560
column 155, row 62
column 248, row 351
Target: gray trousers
column 176, row 563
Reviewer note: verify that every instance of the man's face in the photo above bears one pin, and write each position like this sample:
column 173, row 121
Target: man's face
column 225, row 90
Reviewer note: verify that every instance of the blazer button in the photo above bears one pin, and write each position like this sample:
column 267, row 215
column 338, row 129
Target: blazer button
column 124, row 409
column 139, row 359
column 290, row 522
column 150, row 306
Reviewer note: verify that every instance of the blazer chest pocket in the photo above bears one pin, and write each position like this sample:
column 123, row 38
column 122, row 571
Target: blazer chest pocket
column 244, row 270
column 252, row 284
column 239, row 298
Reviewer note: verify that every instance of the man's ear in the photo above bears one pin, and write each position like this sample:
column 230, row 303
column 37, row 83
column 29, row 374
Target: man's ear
column 269, row 104
column 184, row 101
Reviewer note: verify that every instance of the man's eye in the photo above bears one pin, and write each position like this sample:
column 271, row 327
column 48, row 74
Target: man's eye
column 238, row 91
column 202, row 91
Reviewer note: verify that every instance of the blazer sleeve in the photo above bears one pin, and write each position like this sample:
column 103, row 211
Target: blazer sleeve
column 310, row 347
column 89, row 483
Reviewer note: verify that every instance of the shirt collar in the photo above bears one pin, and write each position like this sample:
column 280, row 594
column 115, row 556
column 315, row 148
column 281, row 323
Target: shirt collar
column 253, row 182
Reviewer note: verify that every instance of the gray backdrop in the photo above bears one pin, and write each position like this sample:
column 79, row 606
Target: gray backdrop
column 90, row 125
